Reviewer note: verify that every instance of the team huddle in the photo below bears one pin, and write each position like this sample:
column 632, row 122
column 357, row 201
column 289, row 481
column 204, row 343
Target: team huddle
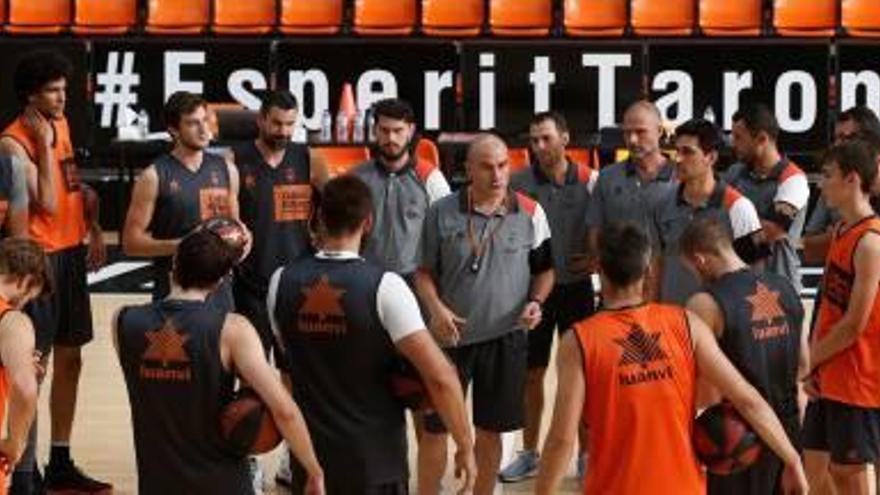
column 354, row 285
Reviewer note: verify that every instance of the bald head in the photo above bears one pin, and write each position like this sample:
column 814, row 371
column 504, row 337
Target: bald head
column 644, row 107
column 487, row 165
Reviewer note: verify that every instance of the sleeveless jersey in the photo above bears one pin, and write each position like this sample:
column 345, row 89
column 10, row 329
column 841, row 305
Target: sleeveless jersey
column 170, row 356
column 276, row 205
column 853, row 375
column 67, row 226
column 640, row 378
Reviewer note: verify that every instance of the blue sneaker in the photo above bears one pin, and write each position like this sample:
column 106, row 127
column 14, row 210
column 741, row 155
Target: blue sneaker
column 523, row 467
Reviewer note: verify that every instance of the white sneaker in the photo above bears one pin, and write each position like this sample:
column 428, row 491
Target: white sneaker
column 282, row 476
column 256, row 475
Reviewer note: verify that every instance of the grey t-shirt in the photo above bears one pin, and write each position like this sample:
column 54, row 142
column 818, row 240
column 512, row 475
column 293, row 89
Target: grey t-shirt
column 620, row 195
column 491, row 290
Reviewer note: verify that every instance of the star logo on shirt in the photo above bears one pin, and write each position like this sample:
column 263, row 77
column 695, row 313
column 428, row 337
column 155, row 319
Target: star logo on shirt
column 289, row 175
column 640, row 347
column 215, row 178
column 765, row 304
column 166, row 345
column 323, row 300
column 174, row 186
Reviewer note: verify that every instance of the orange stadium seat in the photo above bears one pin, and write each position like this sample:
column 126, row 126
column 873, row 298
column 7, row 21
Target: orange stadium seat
column 311, row 16
column 726, row 18
column 816, row 18
column 103, row 17
column 586, row 156
column 384, row 17
column 861, row 17
column 520, row 17
column 667, row 18
column 341, row 159
column 518, row 159
column 595, row 17
column 458, row 18
column 244, row 17
column 177, row 16
column 38, row 16
column 427, row 150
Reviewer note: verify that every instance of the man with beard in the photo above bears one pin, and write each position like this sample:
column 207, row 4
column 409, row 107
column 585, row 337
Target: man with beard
column 402, row 186
column 59, row 219
column 178, row 191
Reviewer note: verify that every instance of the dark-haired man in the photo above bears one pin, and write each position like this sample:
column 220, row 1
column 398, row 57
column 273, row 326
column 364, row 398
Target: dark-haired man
column 638, row 363
column 59, row 220
column 179, row 190
column 180, row 357
column 342, row 321
column 757, row 318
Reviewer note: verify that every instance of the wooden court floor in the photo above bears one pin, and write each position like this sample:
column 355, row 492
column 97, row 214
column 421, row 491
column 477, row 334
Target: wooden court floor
column 102, row 440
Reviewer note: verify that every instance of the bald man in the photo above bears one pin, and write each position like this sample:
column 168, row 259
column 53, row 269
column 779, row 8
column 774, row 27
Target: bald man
column 496, row 272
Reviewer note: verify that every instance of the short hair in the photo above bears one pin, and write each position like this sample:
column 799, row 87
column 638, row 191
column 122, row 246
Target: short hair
column 36, row 69
column 706, row 133
column 202, row 259
column 179, row 104
column 864, row 118
column 758, row 117
column 705, row 235
column 394, row 108
column 857, row 157
column 624, row 253
column 23, row 257
column 557, row 118
column 345, row 203
column 280, row 99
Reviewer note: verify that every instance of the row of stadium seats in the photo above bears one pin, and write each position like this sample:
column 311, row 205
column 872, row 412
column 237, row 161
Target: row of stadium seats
column 455, row 18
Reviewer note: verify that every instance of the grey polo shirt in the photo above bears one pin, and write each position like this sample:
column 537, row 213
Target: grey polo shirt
column 672, row 217
column 566, row 207
column 400, row 203
column 786, row 183
column 491, row 298
column 620, row 195
column 821, row 219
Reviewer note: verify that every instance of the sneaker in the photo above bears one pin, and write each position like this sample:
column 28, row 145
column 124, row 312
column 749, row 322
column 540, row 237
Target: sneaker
column 524, row 466
column 283, row 476
column 256, row 475
column 69, row 480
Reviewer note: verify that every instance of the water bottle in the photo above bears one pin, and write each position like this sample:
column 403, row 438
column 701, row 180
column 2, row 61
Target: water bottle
column 143, row 123
column 342, row 127
column 709, row 114
column 357, row 134
column 371, row 126
column 326, row 134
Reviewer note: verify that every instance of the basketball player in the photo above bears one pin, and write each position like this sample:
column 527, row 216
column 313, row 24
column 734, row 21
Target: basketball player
column 631, row 190
column 699, row 195
column 757, row 318
column 13, row 196
column 403, row 186
column 776, row 186
column 180, row 357
column 842, row 425
column 24, row 275
column 179, row 190
column 486, row 272
column 638, row 364
column 59, row 220
column 562, row 187
column 342, row 321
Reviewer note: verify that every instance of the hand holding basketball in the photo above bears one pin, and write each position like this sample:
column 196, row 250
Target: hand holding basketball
column 233, row 232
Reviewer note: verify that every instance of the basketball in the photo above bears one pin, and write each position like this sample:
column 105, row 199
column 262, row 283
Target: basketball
column 724, row 442
column 230, row 231
column 247, row 424
column 408, row 387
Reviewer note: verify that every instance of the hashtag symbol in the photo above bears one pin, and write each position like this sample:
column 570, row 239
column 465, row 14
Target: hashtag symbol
column 116, row 86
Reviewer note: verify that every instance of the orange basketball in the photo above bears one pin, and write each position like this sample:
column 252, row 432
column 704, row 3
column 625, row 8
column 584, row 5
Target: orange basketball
column 247, row 424
column 230, row 231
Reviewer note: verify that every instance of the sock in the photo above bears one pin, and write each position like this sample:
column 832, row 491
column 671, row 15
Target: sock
column 59, row 454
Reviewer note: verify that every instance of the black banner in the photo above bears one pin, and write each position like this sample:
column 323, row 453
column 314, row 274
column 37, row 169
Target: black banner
column 858, row 82
column 506, row 83
column 134, row 76
column 696, row 78
column 422, row 73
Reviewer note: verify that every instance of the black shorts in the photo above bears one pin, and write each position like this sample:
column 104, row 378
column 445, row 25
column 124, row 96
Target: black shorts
column 498, row 370
column 567, row 305
column 64, row 318
column 851, row 434
column 250, row 302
